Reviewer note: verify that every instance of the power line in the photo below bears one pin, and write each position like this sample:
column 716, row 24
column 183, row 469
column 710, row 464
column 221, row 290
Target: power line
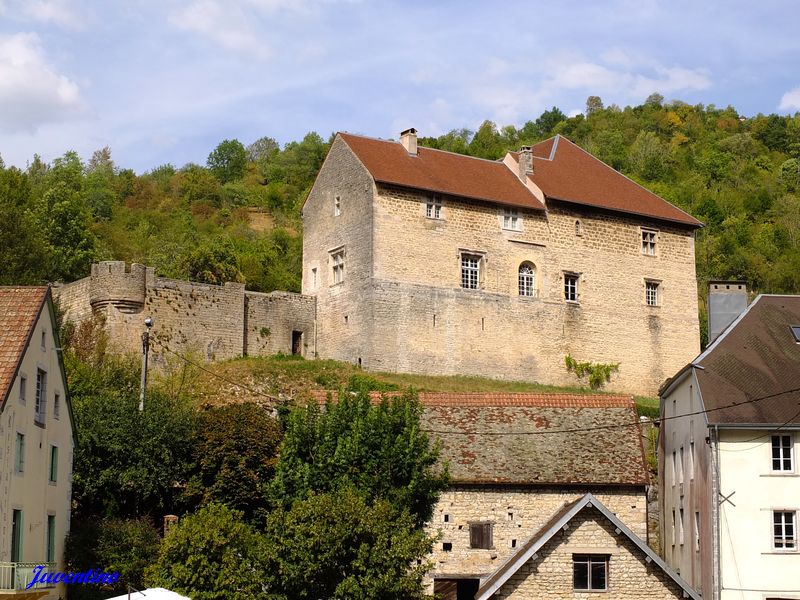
column 763, row 435
column 218, row 376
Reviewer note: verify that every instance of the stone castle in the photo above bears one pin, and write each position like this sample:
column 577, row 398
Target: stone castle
column 419, row 260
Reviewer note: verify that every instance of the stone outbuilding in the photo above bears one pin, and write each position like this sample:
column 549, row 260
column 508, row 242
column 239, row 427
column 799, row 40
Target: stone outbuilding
column 583, row 549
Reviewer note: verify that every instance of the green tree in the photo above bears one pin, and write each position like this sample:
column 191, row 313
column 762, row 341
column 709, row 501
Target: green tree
column 127, row 463
column 211, row 555
column 648, row 156
column 262, row 150
column 214, row 263
column 593, row 105
column 228, row 161
column 378, row 449
column 126, row 546
column 487, row 142
column 547, row 122
column 234, row 455
column 24, row 251
column 339, row 545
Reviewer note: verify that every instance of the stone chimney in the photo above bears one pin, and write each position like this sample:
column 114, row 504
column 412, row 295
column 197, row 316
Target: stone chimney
column 525, row 163
column 409, row 140
column 726, row 301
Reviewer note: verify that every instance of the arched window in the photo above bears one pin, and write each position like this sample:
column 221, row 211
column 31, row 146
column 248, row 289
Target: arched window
column 527, row 279
column 578, row 228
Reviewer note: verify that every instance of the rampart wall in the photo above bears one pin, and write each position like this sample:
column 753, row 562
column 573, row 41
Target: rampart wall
column 208, row 322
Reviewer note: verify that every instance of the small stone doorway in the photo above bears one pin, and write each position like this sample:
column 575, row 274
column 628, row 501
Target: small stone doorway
column 297, row 343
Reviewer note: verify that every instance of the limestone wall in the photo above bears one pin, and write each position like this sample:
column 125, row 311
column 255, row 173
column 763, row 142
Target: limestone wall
column 427, row 322
column 344, row 310
column 206, row 322
column 272, row 320
column 516, row 514
column 550, row 575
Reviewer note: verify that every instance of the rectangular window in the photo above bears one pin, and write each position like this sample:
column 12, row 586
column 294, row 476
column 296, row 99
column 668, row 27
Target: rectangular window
column 337, row 206
column 589, row 572
column 674, row 468
column 16, row 536
column 697, row 532
column 649, row 242
column 53, row 464
column 433, row 207
column 314, row 278
column 680, row 467
column 691, row 461
column 337, row 259
column 56, row 406
column 470, row 271
column 651, row 293
column 674, row 527
column 480, row 535
column 40, row 410
column 512, row 220
column 19, row 454
column 23, row 384
column 570, row 287
column 51, row 538
column 782, row 453
column 44, row 339
column 783, row 528
column 680, row 527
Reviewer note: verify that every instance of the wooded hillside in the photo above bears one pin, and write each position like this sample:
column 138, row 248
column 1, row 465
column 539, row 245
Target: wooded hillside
column 238, row 217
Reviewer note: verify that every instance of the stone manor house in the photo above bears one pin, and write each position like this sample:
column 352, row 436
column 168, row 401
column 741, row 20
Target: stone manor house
column 419, row 260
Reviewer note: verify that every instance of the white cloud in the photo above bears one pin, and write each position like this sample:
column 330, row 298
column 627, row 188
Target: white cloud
column 59, row 12
column 224, row 24
column 790, row 100
column 31, row 91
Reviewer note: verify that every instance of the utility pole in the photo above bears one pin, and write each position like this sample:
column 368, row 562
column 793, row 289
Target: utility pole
column 145, row 351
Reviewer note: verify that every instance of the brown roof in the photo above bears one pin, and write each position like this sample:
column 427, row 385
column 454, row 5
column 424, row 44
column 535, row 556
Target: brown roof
column 537, row 438
column 441, row 172
column 755, row 366
column 566, row 172
column 525, row 439
column 19, row 310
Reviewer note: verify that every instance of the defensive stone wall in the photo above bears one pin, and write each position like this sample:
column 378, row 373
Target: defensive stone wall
column 516, row 513
column 207, row 322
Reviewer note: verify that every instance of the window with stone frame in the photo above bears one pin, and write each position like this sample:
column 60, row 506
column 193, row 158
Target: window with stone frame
column 337, row 206
column 40, row 407
column 649, row 237
column 433, row 207
column 571, row 287
column 337, row 262
column 527, row 280
column 651, row 293
column 480, row 535
column 782, row 453
column 784, row 530
column 511, row 219
column 590, row 572
column 471, row 271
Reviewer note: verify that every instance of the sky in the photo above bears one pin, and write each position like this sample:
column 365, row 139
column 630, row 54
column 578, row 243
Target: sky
column 164, row 81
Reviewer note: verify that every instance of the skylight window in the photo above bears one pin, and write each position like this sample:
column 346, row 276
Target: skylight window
column 796, row 332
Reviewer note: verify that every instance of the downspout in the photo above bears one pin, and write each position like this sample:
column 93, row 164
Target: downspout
column 715, row 511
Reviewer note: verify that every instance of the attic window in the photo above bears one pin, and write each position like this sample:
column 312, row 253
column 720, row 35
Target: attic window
column 796, row 333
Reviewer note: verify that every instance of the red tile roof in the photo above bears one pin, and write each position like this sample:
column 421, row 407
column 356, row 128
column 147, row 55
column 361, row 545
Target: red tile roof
column 441, row 172
column 523, row 439
column 19, row 310
column 566, row 172
column 561, row 169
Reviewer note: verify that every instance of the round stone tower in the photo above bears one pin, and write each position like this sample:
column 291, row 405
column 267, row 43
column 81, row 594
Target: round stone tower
column 112, row 284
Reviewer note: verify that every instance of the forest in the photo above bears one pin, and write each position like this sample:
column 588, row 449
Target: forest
column 237, row 218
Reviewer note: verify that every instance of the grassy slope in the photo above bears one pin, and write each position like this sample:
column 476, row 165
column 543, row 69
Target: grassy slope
column 290, row 376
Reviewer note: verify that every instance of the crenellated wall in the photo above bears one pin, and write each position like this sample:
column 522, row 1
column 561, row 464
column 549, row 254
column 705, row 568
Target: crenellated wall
column 209, row 322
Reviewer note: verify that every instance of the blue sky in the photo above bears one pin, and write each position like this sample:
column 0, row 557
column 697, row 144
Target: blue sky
column 166, row 80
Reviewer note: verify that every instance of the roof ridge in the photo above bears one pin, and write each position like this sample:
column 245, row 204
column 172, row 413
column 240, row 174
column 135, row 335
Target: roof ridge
column 497, row 161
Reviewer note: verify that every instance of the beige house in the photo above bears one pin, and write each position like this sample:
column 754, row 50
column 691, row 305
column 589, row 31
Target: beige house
column 37, row 438
column 584, row 549
column 432, row 262
column 515, row 460
column 728, row 443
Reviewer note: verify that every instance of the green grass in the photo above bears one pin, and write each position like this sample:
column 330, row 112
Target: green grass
column 290, row 375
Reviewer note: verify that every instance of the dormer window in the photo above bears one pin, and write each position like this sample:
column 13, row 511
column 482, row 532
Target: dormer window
column 512, row 220
column 796, row 333
column 433, row 207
